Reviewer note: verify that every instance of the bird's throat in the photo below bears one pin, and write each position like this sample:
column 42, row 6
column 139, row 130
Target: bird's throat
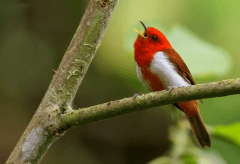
column 143, row 58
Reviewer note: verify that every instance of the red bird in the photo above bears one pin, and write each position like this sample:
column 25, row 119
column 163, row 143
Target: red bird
column 160, row 67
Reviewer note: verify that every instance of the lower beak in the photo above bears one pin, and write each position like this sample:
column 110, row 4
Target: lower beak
column 139, row 33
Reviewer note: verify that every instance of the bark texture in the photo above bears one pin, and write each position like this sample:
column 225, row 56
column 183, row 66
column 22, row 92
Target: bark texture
column 44, row 127
column 127, row 105
column 55, row 115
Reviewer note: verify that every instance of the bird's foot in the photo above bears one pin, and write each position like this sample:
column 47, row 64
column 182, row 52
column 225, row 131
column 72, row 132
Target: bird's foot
column 136, row 94
column 169, row 88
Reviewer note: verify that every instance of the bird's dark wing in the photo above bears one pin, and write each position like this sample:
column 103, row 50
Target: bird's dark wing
column 180, row 66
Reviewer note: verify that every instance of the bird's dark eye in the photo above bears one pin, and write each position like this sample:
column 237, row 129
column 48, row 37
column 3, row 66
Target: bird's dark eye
column 154, row 38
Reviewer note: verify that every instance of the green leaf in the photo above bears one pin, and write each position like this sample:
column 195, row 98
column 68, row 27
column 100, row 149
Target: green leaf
column 229, row 134
column 189, row 159
column 200, row 56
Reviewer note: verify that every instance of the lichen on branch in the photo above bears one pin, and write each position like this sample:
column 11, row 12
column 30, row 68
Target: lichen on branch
column 127, row 105
column 42, row 131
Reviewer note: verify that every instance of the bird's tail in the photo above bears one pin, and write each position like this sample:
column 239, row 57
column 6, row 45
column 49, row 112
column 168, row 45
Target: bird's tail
column 191, row 110
column 199, row 130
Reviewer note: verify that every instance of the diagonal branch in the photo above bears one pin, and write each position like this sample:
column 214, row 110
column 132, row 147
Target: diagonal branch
column 42, row 130
column 115, row 108
column 55, row 116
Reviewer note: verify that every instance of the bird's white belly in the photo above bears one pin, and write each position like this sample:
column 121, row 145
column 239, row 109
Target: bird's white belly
column 164, row 70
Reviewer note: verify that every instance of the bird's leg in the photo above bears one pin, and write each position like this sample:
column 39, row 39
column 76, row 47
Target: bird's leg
column 169, row 88
column 136, row 94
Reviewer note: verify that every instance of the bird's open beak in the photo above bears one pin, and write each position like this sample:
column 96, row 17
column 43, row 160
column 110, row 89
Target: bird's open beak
column 145, row 31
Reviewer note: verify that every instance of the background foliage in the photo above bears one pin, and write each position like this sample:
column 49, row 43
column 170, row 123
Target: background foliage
column 35, row 34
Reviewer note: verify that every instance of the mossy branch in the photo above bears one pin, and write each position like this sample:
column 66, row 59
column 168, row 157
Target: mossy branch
column 42, row 131
column 115, row 108
column 55, row 115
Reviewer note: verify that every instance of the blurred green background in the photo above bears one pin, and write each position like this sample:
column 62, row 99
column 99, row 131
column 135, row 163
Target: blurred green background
column 35, row 34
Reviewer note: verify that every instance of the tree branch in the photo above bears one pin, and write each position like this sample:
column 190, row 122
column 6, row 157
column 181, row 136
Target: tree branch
column 42, row 131
column 55, row 116
column 83, row 116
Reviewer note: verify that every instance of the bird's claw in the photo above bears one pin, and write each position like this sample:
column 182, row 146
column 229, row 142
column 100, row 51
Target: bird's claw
column 169, row 88
column 136, row 94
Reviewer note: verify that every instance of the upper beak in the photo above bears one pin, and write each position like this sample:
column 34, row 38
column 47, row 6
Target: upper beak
column 145, row 30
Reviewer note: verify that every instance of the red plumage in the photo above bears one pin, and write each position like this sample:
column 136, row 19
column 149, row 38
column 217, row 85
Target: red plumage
column 159, row 66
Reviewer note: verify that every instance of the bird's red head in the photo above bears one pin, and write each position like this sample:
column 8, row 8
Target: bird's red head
column 148, row 43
